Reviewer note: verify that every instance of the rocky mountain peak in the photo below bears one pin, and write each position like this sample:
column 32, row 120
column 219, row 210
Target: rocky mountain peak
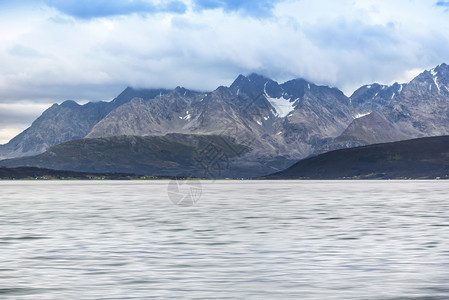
column 70, row 104
column 296, row 88
column 253, row 85
column 372, row 97
column 441, row 76
column 440, row 72
column 429, row 86
column 130, row 93
column 180, row 91
column 442, row 68
column 239, row 81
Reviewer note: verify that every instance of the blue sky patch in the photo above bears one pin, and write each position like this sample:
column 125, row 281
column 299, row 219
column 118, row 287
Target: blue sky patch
column 443, row 3
column 87, row 9
column 255, row 8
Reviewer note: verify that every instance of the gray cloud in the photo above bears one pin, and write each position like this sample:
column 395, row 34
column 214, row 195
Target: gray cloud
column 59, row 51
column 20, row 113
column 200, row 49
column 15, row 117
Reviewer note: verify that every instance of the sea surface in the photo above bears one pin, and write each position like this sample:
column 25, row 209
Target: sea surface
column 241, row 240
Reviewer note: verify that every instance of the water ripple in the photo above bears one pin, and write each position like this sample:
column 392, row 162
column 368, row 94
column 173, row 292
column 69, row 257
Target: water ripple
column 243, row 240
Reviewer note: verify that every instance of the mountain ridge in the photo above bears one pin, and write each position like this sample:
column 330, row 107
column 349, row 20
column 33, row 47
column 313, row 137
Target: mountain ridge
column 290, row 120
column 253, row 108
column 420, row 109
column 66, row 121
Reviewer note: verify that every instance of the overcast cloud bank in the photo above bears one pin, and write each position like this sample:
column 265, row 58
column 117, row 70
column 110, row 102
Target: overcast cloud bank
column 91, row 50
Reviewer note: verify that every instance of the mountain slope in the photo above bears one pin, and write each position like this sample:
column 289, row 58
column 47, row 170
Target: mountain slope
column 65, row 122
column 417, row 158
column 420, row 110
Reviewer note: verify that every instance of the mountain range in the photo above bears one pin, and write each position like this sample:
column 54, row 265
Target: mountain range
column 273, row 125
column 65, row 122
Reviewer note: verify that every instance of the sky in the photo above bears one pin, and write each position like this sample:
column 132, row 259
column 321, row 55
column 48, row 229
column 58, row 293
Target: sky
column 90, row 50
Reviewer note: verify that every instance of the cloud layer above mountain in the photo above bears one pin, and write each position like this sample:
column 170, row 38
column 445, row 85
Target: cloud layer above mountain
column 54, row 50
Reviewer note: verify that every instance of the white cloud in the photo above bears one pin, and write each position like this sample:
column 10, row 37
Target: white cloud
column 51, row 53
column 7, row 133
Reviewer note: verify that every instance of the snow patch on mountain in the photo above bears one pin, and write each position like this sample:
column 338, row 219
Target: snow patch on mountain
column 186, row 117
column 435, row 79
column 358, row 116
column 281, row 106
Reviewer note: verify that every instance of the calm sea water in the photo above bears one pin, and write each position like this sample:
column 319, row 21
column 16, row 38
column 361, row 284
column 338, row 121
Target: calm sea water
column 242, row 240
